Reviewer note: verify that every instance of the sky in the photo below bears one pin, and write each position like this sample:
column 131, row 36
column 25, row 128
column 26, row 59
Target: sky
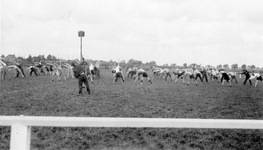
column 165, row 31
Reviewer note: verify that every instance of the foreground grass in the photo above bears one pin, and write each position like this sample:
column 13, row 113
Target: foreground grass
column 38, row 96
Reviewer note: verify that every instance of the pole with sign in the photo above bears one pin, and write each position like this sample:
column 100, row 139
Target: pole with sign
column 81, row 34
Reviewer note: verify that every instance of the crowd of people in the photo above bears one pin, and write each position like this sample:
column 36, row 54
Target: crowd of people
column 84, row 71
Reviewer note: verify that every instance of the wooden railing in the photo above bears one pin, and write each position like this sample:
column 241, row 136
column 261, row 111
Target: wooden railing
column 21, row 125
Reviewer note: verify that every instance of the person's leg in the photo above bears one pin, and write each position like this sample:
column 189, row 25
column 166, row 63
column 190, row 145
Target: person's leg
column 176, row 79
column 122, row 78
column 169, row 74
column 136, row 77
column 22, row 70
column 200, row 77
column 196, row 76
column 17, row 74
column 59, row 75
column 222, row 80
column 256, row 83
column 141, row 77
column 89, row 77
column 115, row 78
column 87, row 84
column 206, row 78
column 98, row 73
column 235, row 79
column 245, row 81
column 35, row 72
column 229, row 82
column 166, row 76
column 203, row 76
column 80, row 81
column 196, row 83
column 149, row 80
column 250, row 82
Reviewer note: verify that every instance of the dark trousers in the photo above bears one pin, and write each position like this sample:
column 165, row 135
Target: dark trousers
column 22, row 70
column 198, row 76
column 83, row 79
column 17, row 74
column 246, row 81
column 118, row 75
column 225, row 77
column 97, row 72
column 42, row 71
column 204, row 76
column 32, row 72
column 131, row 74
column 168, row 74
column 234, row 78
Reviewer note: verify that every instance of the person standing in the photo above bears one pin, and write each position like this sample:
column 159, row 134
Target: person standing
column 204, row 74
column 117, row 73
column 246, row 73
column 79, row 73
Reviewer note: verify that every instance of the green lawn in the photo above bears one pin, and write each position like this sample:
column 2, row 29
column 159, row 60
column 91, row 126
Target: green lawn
column 38, row 96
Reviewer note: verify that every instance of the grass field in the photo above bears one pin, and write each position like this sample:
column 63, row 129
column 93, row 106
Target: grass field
column 38, row 96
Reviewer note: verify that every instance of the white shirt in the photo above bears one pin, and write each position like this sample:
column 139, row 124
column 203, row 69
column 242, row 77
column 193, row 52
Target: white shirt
column 140, row 70
column 117, row 69
column 254, row 76
column 91, row 67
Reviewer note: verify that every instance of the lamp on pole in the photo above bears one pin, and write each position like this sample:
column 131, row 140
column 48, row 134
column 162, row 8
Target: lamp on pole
column 81, row 34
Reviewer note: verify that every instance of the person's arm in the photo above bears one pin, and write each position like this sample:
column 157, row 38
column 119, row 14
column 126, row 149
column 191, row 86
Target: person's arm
column 2, row 63
column 75, row 74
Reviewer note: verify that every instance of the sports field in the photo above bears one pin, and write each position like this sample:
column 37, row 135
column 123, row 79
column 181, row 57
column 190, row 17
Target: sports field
column 38, row 96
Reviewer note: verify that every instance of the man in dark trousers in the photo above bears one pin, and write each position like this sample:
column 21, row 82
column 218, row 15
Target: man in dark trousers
column 204, row 74
column 41, row 70
column 79, row 72
column 246, row 73
column 33, row 69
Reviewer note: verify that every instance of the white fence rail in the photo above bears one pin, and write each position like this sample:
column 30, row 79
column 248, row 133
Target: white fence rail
column 21, row 125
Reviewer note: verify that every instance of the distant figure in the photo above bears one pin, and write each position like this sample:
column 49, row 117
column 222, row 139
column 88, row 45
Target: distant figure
column 22, row 71
column 33, row 69
column 197, row 74
column 226, row 77
column 142, row 74
column 131, row 72
column 18, row 71
column 117, row 73
column 232, row 75
column 40, row 67
column 79, row 73
column 256, row 76
column 204, row 74
column 4, row 70
column 247, row 75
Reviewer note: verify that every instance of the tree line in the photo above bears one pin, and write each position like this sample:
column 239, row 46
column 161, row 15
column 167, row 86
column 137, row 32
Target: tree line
column 132, row 62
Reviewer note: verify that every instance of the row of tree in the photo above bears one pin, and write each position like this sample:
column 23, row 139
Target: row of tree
column 131, row 62
column 31, row 59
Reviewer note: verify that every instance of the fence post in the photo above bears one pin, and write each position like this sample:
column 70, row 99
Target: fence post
column 20, row 137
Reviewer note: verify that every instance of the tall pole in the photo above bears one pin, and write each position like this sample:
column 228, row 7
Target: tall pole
column 80, row 49
column 81, row 34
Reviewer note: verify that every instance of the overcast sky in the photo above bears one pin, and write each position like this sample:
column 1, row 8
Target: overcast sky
column 166, row 31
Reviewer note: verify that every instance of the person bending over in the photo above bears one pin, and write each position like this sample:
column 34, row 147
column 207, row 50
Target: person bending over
column 79, row 73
